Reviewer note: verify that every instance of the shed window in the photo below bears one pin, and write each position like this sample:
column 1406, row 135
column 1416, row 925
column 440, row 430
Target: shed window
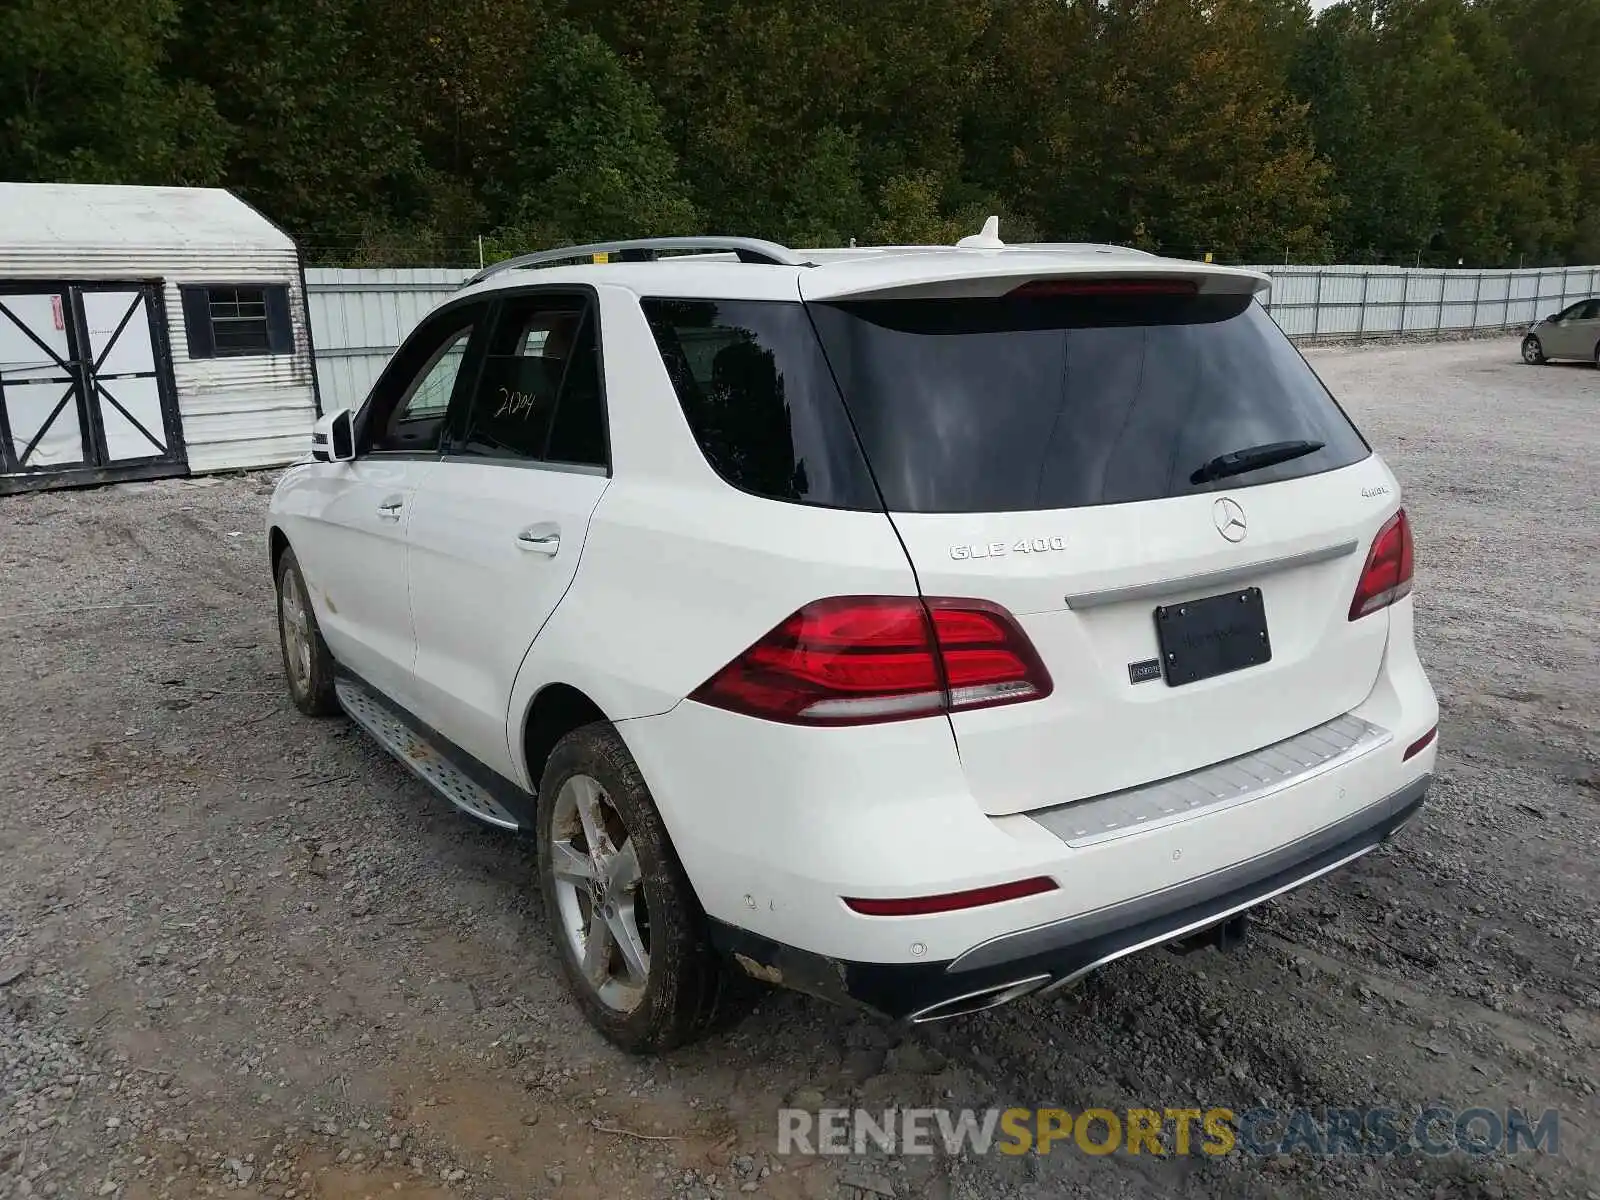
column 231, row 320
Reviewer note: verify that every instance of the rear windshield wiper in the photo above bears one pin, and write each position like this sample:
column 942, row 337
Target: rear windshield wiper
column 1253, row 458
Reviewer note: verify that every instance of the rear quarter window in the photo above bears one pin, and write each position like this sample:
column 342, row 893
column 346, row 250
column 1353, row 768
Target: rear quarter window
column 758, row 396
column 1013, row 404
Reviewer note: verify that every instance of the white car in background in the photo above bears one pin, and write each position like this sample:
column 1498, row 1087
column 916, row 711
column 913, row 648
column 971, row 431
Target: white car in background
column 920, row 628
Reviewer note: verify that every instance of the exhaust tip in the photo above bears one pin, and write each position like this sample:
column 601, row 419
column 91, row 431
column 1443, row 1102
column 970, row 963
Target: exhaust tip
column 979, row 1001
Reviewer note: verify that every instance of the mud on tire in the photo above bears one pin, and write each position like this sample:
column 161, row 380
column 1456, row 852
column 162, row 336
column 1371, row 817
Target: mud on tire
column 686, row 989
column 307, row 664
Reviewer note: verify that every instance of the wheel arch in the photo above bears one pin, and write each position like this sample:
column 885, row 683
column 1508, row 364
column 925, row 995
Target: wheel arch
column 277, row 543
column 556, row 710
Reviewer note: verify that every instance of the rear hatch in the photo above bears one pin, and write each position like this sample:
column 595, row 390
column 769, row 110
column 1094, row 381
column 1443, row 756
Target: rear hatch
column 1060, row 447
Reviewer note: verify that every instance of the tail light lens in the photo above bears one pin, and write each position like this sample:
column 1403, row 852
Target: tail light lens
column 858, row 659
column 1421, row 744
column 922, row 906
column 1387, row 575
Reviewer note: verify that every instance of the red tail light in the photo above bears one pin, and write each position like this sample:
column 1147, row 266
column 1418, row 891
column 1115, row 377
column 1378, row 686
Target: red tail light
column 921, row 906
column 1387, row 575
column 1106, row 287
column 858, row 659
column 1421, row 744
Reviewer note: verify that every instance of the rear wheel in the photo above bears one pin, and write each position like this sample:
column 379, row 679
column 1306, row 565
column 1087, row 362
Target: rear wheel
column 307, row 664
column 625, row 921
column 1533, row 351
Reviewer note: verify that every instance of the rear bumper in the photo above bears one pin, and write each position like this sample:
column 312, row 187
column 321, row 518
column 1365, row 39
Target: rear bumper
column 1056, row 953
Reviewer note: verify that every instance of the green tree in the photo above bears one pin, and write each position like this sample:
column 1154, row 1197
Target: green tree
column 83, row 97
column 1178, row 131
column 315, row 137
column 1392, row 129
column 587, row 157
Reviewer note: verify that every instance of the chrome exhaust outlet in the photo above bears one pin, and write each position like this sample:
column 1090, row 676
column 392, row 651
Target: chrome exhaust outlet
column 979, row 1001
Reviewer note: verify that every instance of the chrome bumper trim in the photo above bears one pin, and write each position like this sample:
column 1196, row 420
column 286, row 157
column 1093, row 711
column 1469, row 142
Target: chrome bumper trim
column 1174, row 912
column 1209, row 579
column 1205, row 922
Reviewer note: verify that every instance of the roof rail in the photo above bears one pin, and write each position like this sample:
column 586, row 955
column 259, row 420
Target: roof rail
column 749, row 250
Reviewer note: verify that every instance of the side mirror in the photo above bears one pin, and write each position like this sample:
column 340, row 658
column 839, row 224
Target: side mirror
column 333, row 437
column 1552, row 318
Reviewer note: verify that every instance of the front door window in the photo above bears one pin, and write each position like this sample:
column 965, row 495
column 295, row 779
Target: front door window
column 406, row 411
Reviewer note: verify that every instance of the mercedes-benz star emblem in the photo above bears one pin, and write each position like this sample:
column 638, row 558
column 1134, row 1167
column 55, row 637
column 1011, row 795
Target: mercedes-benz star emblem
column 1229, row 519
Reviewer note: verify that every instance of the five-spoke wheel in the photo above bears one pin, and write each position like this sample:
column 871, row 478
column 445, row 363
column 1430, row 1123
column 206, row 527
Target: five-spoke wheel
column 600, row 905
column 626, row 923
column 307, row 664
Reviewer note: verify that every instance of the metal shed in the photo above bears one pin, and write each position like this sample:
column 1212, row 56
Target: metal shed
column 145, row 332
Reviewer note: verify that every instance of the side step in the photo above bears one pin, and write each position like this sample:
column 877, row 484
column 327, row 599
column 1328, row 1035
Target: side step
column 424, row 759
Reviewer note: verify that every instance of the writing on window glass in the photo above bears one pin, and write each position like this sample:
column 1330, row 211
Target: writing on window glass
column 514, row 404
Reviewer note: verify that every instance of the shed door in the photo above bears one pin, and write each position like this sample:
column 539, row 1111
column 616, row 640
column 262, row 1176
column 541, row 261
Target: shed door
column 86, row 390
column 40, row 403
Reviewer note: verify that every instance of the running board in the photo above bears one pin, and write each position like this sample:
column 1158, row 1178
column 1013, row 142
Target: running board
column 422, row 756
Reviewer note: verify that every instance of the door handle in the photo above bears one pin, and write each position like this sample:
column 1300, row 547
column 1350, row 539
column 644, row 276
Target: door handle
column 389, row 510
column 542, row 539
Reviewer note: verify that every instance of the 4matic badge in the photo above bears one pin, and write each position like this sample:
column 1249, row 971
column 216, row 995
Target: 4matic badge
column 1038, row 545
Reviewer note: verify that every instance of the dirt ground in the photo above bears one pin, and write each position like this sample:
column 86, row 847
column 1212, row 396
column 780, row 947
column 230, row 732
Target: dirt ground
column 243, row 953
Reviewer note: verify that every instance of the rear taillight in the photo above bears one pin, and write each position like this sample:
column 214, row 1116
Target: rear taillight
column 857, row 659
column 1387, row 575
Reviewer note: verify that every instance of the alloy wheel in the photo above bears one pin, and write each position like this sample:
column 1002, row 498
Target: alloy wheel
column 295, row 626
column 599, row 893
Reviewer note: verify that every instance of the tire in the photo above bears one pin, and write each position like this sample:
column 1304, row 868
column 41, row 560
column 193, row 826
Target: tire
column 307, row 664
column 1533, row 351
column 654, row 981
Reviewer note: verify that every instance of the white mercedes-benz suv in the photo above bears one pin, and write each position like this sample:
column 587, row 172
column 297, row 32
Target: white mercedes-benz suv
column 916, row 627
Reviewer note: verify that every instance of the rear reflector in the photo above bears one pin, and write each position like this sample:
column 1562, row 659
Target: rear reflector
column 1421, row 744
column 1106, row 287
column 921, row 906
column 1387, row 574
column 852, row 660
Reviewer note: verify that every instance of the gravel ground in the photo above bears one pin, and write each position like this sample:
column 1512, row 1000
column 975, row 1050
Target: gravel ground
column 243, row 952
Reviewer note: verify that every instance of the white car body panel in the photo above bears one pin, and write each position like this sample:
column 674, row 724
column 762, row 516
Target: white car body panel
column 886, row 811
column 480, row 595
column 682, row 572
column 1099, row 732
column 992, row 273
column 353, row 559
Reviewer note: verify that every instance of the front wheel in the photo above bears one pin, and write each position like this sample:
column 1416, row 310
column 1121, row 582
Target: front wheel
column 624, row 918
column 307, row 664
column 1533, row 351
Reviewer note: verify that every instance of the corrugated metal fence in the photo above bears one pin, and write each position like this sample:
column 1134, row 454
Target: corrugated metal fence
column 359, row 316
column 1344, row 302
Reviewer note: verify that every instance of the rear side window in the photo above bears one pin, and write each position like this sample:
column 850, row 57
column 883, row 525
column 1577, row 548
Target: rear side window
column 1011, row 404
column 539, row 397
column 760, row 401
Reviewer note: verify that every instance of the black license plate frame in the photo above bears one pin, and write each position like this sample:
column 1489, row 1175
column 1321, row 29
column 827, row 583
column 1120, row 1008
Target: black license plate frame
column 1214, row 635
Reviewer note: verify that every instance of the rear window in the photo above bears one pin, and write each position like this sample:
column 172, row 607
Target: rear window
column 1005, row 405
column 760, row 401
